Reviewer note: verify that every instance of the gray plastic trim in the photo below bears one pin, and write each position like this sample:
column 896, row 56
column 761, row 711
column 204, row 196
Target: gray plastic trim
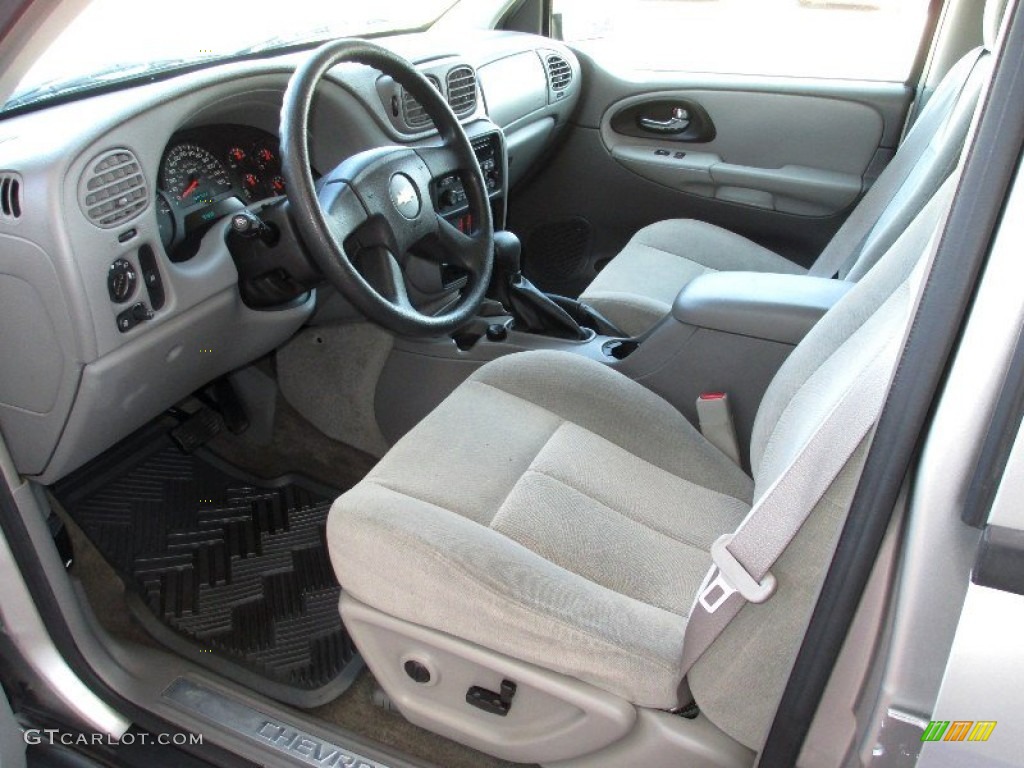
column 12, row 744
column 663, row 740
column 763, row 305
column 552, row 717
column 124, row 389
column 770, row 130
column 281, row 736
column 517, row 86
column 525, row 145
column 610, row 84
column 23, row 626
column 804, row 155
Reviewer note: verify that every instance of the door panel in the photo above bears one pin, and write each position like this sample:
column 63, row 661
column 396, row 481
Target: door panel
column 786, row 152
column 781, row 161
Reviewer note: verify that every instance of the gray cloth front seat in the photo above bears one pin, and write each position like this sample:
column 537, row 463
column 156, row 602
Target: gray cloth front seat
column 554, row 511
column 637, row 287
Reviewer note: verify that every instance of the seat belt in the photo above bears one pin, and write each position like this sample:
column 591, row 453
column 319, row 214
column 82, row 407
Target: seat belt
column 742, row 560
column 716, row 424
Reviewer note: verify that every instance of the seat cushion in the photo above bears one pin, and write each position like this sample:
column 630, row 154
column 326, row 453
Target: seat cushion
column 549, row 509
column 636, row 289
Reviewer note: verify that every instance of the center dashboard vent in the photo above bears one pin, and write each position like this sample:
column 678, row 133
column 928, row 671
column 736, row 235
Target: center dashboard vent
column 113, row 189
column 10, row 195
column 559, row 72
column 461, row 83
column 413, row 113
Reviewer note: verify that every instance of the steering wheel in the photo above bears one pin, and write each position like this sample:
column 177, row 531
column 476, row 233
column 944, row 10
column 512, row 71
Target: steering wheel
column 376, row 206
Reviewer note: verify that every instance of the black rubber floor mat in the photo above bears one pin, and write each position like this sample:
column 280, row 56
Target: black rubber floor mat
column 223, row 567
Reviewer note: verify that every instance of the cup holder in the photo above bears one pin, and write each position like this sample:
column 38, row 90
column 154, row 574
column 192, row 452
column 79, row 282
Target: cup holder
column 619, row 349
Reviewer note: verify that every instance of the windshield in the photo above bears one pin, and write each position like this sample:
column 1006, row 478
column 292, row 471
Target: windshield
column 113, row 40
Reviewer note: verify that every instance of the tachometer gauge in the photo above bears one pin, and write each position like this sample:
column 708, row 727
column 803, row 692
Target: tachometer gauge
column 192, row 176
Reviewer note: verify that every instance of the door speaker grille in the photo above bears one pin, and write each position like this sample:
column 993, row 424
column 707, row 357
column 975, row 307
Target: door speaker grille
column 557, row 254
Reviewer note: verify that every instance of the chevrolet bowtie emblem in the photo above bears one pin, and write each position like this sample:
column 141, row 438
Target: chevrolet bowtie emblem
column 404, row 196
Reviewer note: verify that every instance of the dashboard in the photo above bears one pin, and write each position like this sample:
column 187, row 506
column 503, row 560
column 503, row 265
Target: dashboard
column 119, row 292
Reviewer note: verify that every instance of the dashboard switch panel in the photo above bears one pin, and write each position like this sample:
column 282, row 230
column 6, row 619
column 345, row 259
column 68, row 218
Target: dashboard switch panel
column 131, row 317
column 151, row 277
column 449, row 194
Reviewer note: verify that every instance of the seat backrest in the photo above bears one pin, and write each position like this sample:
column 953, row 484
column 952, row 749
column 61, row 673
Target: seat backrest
column 927, row 156
column 739, row 679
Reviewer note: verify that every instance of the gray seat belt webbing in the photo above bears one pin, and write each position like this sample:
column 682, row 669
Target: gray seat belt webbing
column 743, row 559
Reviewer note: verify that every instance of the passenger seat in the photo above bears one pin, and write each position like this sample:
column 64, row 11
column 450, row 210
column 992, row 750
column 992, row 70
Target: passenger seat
column 637, row 287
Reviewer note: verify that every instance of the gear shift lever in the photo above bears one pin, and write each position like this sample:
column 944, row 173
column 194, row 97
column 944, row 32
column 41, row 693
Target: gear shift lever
column 507, row 252
column 532, row 309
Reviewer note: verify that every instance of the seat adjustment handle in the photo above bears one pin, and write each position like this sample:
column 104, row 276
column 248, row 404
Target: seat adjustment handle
column 493, row 703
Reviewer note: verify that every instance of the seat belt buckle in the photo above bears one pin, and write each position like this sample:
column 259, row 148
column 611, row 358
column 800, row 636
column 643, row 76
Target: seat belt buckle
column 714, row 415
column 731, row 577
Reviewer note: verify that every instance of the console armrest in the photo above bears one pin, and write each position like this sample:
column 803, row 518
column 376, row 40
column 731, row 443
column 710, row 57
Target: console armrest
column 763, row 305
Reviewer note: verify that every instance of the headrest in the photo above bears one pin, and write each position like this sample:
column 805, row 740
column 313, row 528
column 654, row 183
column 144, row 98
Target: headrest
column 994, row 10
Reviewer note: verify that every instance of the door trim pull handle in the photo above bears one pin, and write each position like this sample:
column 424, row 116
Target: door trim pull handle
column 677, row 123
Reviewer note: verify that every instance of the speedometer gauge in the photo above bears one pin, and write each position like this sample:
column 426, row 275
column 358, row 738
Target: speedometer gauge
column 192, row 175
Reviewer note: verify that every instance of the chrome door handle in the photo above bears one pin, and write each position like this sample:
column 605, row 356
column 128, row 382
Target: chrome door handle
column 677, row 123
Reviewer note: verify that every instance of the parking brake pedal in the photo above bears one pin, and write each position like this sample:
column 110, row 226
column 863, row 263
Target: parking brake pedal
column 491, row 702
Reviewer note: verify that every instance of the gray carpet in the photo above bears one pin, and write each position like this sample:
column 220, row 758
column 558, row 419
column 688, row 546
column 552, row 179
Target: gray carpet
column 296, row 447
column 330, row 375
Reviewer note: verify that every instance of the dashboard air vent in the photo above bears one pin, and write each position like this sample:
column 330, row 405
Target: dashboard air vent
column 10, row 195
column 113, row 189
column 462, row 90
column 412, row 111
column 559, row 72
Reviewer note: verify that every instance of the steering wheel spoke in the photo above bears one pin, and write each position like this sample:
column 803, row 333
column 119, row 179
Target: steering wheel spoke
column 382, row 271
column 440, row 161
column 461, row 249
column 344, row 211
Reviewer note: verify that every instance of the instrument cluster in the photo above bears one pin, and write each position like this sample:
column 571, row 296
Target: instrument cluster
column 210, row 172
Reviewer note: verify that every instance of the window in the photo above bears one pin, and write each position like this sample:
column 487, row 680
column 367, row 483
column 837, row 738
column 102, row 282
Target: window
column 852, row 39
column 111, row 40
